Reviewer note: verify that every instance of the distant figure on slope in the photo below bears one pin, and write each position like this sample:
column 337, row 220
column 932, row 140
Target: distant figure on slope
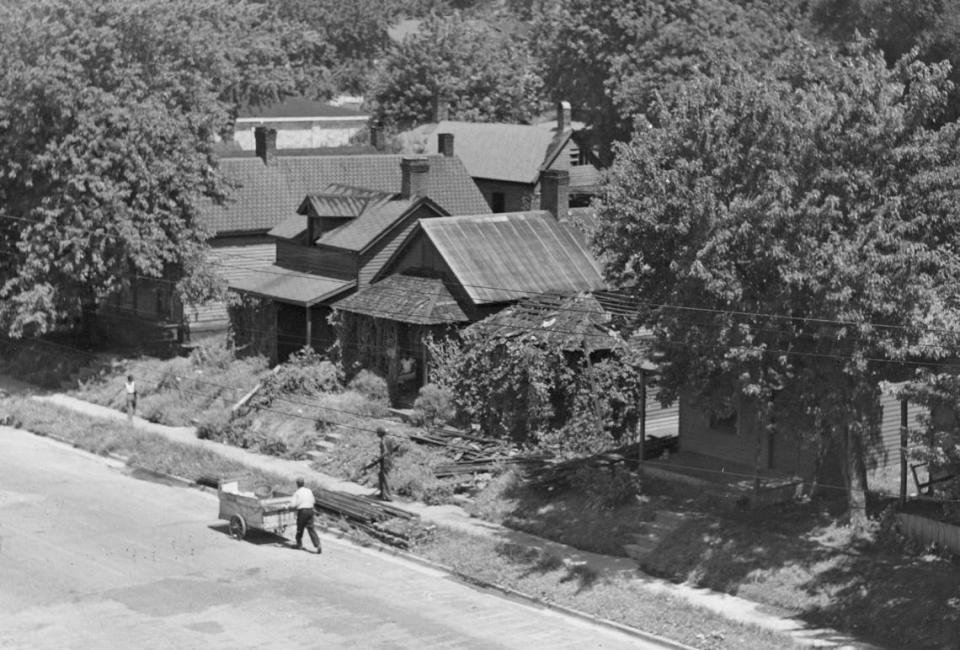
column 130, row 389
column 387, row 449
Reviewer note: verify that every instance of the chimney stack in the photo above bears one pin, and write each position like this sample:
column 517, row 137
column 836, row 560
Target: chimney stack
column 564, row 116
column 377, row 136
column 441, row 108
column 413, row 177
column 445, row 142
column 266, row 143
column 555, row 192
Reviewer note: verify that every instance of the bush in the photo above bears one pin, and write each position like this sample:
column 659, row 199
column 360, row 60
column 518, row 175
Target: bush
column 371, row 385
column 305, row 373
column 605, row 489
column 215, row 425
column 434, row 405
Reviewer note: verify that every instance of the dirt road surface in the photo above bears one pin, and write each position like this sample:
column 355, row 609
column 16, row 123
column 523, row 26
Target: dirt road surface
column 91, row 557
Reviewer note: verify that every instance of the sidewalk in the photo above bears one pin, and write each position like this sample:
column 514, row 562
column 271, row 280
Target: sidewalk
column 454, row 517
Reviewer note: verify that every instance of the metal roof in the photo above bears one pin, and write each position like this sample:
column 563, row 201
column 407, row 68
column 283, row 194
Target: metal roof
column 506, row 152
column 509, row 256
column 265, row 195
column 357, row 234
column 284, row 285
column 407, row 299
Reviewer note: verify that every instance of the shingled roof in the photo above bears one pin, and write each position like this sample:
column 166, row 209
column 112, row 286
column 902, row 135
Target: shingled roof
column 506, row 257
column 265, row 195
column 573, row 323
column 505, row 152
column 407, row 299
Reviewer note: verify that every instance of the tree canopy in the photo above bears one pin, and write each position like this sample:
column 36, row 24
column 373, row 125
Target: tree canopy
column 795, row 234
column 486, row 76
column 611, row 60
column 108, row 111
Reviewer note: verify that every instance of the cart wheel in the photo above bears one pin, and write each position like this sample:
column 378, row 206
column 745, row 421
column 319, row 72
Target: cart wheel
column 238, row 527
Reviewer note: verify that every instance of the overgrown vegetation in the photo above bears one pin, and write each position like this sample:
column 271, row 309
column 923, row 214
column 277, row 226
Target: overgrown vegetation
column 532, row 392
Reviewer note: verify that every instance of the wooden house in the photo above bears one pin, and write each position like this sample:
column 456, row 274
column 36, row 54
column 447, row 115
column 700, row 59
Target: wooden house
column 505, row 160
column 336, row 242
column 480, row 263
column 266, row 188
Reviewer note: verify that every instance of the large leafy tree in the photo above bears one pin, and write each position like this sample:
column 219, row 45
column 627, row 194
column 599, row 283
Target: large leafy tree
column 796, row 234
column 611, row 60
column 486, row 76
column 107, row 115
column 930, row 26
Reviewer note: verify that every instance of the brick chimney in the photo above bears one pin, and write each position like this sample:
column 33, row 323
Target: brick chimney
column 413, row 176
column 564, row 116
column 378, row 139
column 441, row 108
column 445, row 144
column 555, row 192
column 266, row 143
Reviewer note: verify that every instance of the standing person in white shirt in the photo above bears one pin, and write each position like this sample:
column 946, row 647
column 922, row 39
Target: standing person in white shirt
column 130, row 387
column 303, row 501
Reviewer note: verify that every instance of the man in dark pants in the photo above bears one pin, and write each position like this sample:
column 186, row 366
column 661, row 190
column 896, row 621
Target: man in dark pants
column 303, row 501
column 387, row 449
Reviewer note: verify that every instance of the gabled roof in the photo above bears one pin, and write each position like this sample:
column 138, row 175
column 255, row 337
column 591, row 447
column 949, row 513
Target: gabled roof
column 509, row 256
column 267, row 194
column 333, row 205
column 407, row 299
column 575, row 323
column 357, row 234
column 512, row 153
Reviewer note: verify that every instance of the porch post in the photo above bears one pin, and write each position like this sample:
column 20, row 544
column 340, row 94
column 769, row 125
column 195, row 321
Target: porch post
column 309, row 342
column 903, row 451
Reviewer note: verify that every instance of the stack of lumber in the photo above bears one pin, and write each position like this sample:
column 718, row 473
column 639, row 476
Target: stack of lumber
column 379, row 519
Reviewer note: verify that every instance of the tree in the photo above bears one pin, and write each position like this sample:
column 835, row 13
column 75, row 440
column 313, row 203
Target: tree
column 487, row 77
column 611, row 60
column 108, row 112
column 931, row 26
column 796, row 236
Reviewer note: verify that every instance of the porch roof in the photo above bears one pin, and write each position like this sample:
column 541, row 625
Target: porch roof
column 574, row 323
column 293, row 287
column 406, row 299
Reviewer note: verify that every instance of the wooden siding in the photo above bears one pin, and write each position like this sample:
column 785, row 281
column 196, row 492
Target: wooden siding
column 884, row 448
column 516, row 196
column 233, row 258
column 317, row 260
column 662, row 421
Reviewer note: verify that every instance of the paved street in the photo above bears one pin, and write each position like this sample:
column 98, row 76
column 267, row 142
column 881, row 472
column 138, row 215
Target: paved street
column 93, row 558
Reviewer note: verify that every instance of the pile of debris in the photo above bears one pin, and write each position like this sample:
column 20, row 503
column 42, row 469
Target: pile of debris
column 472, row 454
column 380, row 520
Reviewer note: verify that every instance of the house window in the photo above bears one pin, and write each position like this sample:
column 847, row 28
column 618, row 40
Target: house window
column 498, row 202
column 574, row 153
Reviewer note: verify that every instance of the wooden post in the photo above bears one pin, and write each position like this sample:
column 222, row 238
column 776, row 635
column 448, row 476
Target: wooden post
column 643, row 425
column 309, row 336
column 903, row 451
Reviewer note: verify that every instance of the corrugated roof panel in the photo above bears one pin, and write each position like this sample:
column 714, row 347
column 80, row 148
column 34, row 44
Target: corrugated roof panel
column 284, row 285
column 506, row 257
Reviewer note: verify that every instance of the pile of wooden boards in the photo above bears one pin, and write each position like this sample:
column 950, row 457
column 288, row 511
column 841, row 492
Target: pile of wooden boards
column 380, row 519
column 471, row 454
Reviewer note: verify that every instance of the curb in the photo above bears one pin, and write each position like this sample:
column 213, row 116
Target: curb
column 459, row 576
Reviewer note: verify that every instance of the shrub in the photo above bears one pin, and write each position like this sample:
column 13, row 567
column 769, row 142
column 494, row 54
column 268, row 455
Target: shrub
column 434, row 405
column 215, row 425
column 371, row 385
column 605, row 489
